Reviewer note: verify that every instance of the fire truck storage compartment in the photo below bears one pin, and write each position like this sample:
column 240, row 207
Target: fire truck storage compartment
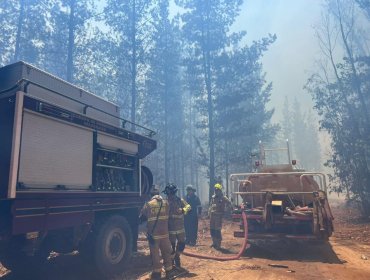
column 116, row 164
column 54, row 153
column 68, row 138
column 111, row 142
column 56, row 91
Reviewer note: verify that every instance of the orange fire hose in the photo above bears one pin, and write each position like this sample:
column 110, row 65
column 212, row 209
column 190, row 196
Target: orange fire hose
column 228, row 258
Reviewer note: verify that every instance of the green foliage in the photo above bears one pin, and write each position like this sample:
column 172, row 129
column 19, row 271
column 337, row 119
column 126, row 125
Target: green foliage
column 342, row 104
column 347, row 127
column 188, row 77
column 23, row 28
column 163, row 110
column 130, row 24
column 68, row 41
column 206, row 26
column 365, row 5
column 230, row 90
column 241, row 119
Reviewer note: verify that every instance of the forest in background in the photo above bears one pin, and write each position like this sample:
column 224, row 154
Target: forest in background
column 188, row 77
column 195, row 81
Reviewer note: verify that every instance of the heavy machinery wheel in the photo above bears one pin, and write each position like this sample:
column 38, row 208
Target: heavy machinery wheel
column 113, row 246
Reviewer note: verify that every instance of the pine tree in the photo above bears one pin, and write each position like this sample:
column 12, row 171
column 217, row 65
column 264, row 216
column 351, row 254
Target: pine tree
column 131, row 28
column 342, row 101
column 241, row 118
column 66, row 47
column 206, row 26
column 163, row 108
column 23, row 29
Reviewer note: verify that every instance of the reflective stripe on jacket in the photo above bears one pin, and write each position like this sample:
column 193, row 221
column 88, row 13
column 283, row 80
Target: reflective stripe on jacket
column 150, row 210
column 178, row 207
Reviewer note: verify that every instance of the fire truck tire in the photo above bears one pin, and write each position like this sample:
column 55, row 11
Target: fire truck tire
column 113, row 246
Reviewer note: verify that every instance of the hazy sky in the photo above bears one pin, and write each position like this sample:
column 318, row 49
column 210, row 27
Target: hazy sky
column 290, row 60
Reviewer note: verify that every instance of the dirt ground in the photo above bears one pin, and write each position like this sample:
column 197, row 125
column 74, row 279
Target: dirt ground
column 346, row 256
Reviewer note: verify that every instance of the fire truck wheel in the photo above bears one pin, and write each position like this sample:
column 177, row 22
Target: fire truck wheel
column 113, row 246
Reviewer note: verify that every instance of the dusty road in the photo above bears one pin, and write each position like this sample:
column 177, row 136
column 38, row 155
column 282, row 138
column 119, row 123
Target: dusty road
column 337, row 260
column 346, row 256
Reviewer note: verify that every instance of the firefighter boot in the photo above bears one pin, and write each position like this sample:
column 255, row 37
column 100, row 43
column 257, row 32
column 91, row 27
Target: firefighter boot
column 177, row 260
column 218, row 244
column 171, row 274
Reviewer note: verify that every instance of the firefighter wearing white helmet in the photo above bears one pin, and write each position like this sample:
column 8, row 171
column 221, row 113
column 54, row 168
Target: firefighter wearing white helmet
column 219, row 203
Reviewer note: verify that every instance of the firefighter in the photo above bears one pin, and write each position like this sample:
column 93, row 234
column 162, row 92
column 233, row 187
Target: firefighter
column 178, row 207
column 219, row 203
column 191, row 219
column 155, row 212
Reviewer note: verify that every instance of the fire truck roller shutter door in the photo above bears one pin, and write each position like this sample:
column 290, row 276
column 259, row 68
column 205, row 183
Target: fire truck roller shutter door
column 54, row 153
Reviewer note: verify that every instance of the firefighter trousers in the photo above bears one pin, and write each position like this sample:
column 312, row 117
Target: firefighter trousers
column 178, row 244
column 164, row 246
column 215, row 228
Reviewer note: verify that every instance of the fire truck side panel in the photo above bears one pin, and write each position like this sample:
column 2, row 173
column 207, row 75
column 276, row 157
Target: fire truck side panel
column 42, row 211
column 7, row 108
column 54, row 153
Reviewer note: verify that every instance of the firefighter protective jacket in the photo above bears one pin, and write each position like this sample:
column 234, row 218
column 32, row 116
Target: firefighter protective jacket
column 219, row 204
column 150, row 210
column 178, row 207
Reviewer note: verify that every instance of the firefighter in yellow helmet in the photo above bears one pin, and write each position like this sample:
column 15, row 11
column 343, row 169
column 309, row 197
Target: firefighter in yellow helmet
column 219, row 203
column 178, row 208
column 155, row 212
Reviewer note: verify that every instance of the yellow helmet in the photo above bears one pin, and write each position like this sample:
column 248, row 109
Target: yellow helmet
column 218, row 186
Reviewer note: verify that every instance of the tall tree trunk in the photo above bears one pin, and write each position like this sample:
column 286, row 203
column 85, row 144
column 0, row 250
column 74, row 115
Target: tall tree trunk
column 166, row 136
column 19, row 31
column 191, row 144
column 174, row 163
column 199, row 188
column 133, row 66
column 182, row 170
column 211, row 137
column 71, row 29
column 208, row 83
column 227, row 165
